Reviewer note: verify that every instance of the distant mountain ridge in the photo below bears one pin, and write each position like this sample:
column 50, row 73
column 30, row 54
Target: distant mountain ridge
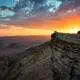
column 57, row 59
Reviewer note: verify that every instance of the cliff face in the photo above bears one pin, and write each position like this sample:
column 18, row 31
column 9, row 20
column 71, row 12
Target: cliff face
column 58, row 59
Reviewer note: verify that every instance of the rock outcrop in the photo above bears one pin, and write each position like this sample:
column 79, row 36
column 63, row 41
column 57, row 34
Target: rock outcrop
column 58, row 59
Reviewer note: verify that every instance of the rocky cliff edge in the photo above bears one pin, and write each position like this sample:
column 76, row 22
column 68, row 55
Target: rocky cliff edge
column 57, row 59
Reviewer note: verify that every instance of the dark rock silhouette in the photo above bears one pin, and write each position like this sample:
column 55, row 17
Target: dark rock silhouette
column 54, row 35
column 57, row 59
column 78, row 32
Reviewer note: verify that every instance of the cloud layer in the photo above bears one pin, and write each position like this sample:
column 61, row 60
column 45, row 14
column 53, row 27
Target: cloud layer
column 19, row 11
column 25, row 9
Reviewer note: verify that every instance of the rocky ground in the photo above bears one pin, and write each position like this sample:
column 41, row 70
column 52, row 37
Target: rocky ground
column 57, row 59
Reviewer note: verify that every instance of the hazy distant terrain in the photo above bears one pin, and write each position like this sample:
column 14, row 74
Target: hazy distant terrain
column 16, row 44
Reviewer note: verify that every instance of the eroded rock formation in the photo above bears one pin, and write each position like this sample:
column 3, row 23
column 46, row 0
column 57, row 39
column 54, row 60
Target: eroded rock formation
column 58, row 59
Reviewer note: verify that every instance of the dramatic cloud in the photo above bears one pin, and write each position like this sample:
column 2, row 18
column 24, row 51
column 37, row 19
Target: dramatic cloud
column 31, row 17
column 27, row 8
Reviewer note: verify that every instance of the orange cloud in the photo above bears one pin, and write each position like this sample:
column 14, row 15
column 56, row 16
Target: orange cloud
column 65, row 22
column 44, row 27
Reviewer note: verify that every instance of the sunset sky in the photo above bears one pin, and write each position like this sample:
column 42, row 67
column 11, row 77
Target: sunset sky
column 38, row 17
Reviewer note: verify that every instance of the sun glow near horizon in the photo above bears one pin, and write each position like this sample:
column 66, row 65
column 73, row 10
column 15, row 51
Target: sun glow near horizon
column 74, row 29
column 22, row 31
column 67, row 25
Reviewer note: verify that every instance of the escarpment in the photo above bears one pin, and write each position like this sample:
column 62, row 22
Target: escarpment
column 57, row 59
